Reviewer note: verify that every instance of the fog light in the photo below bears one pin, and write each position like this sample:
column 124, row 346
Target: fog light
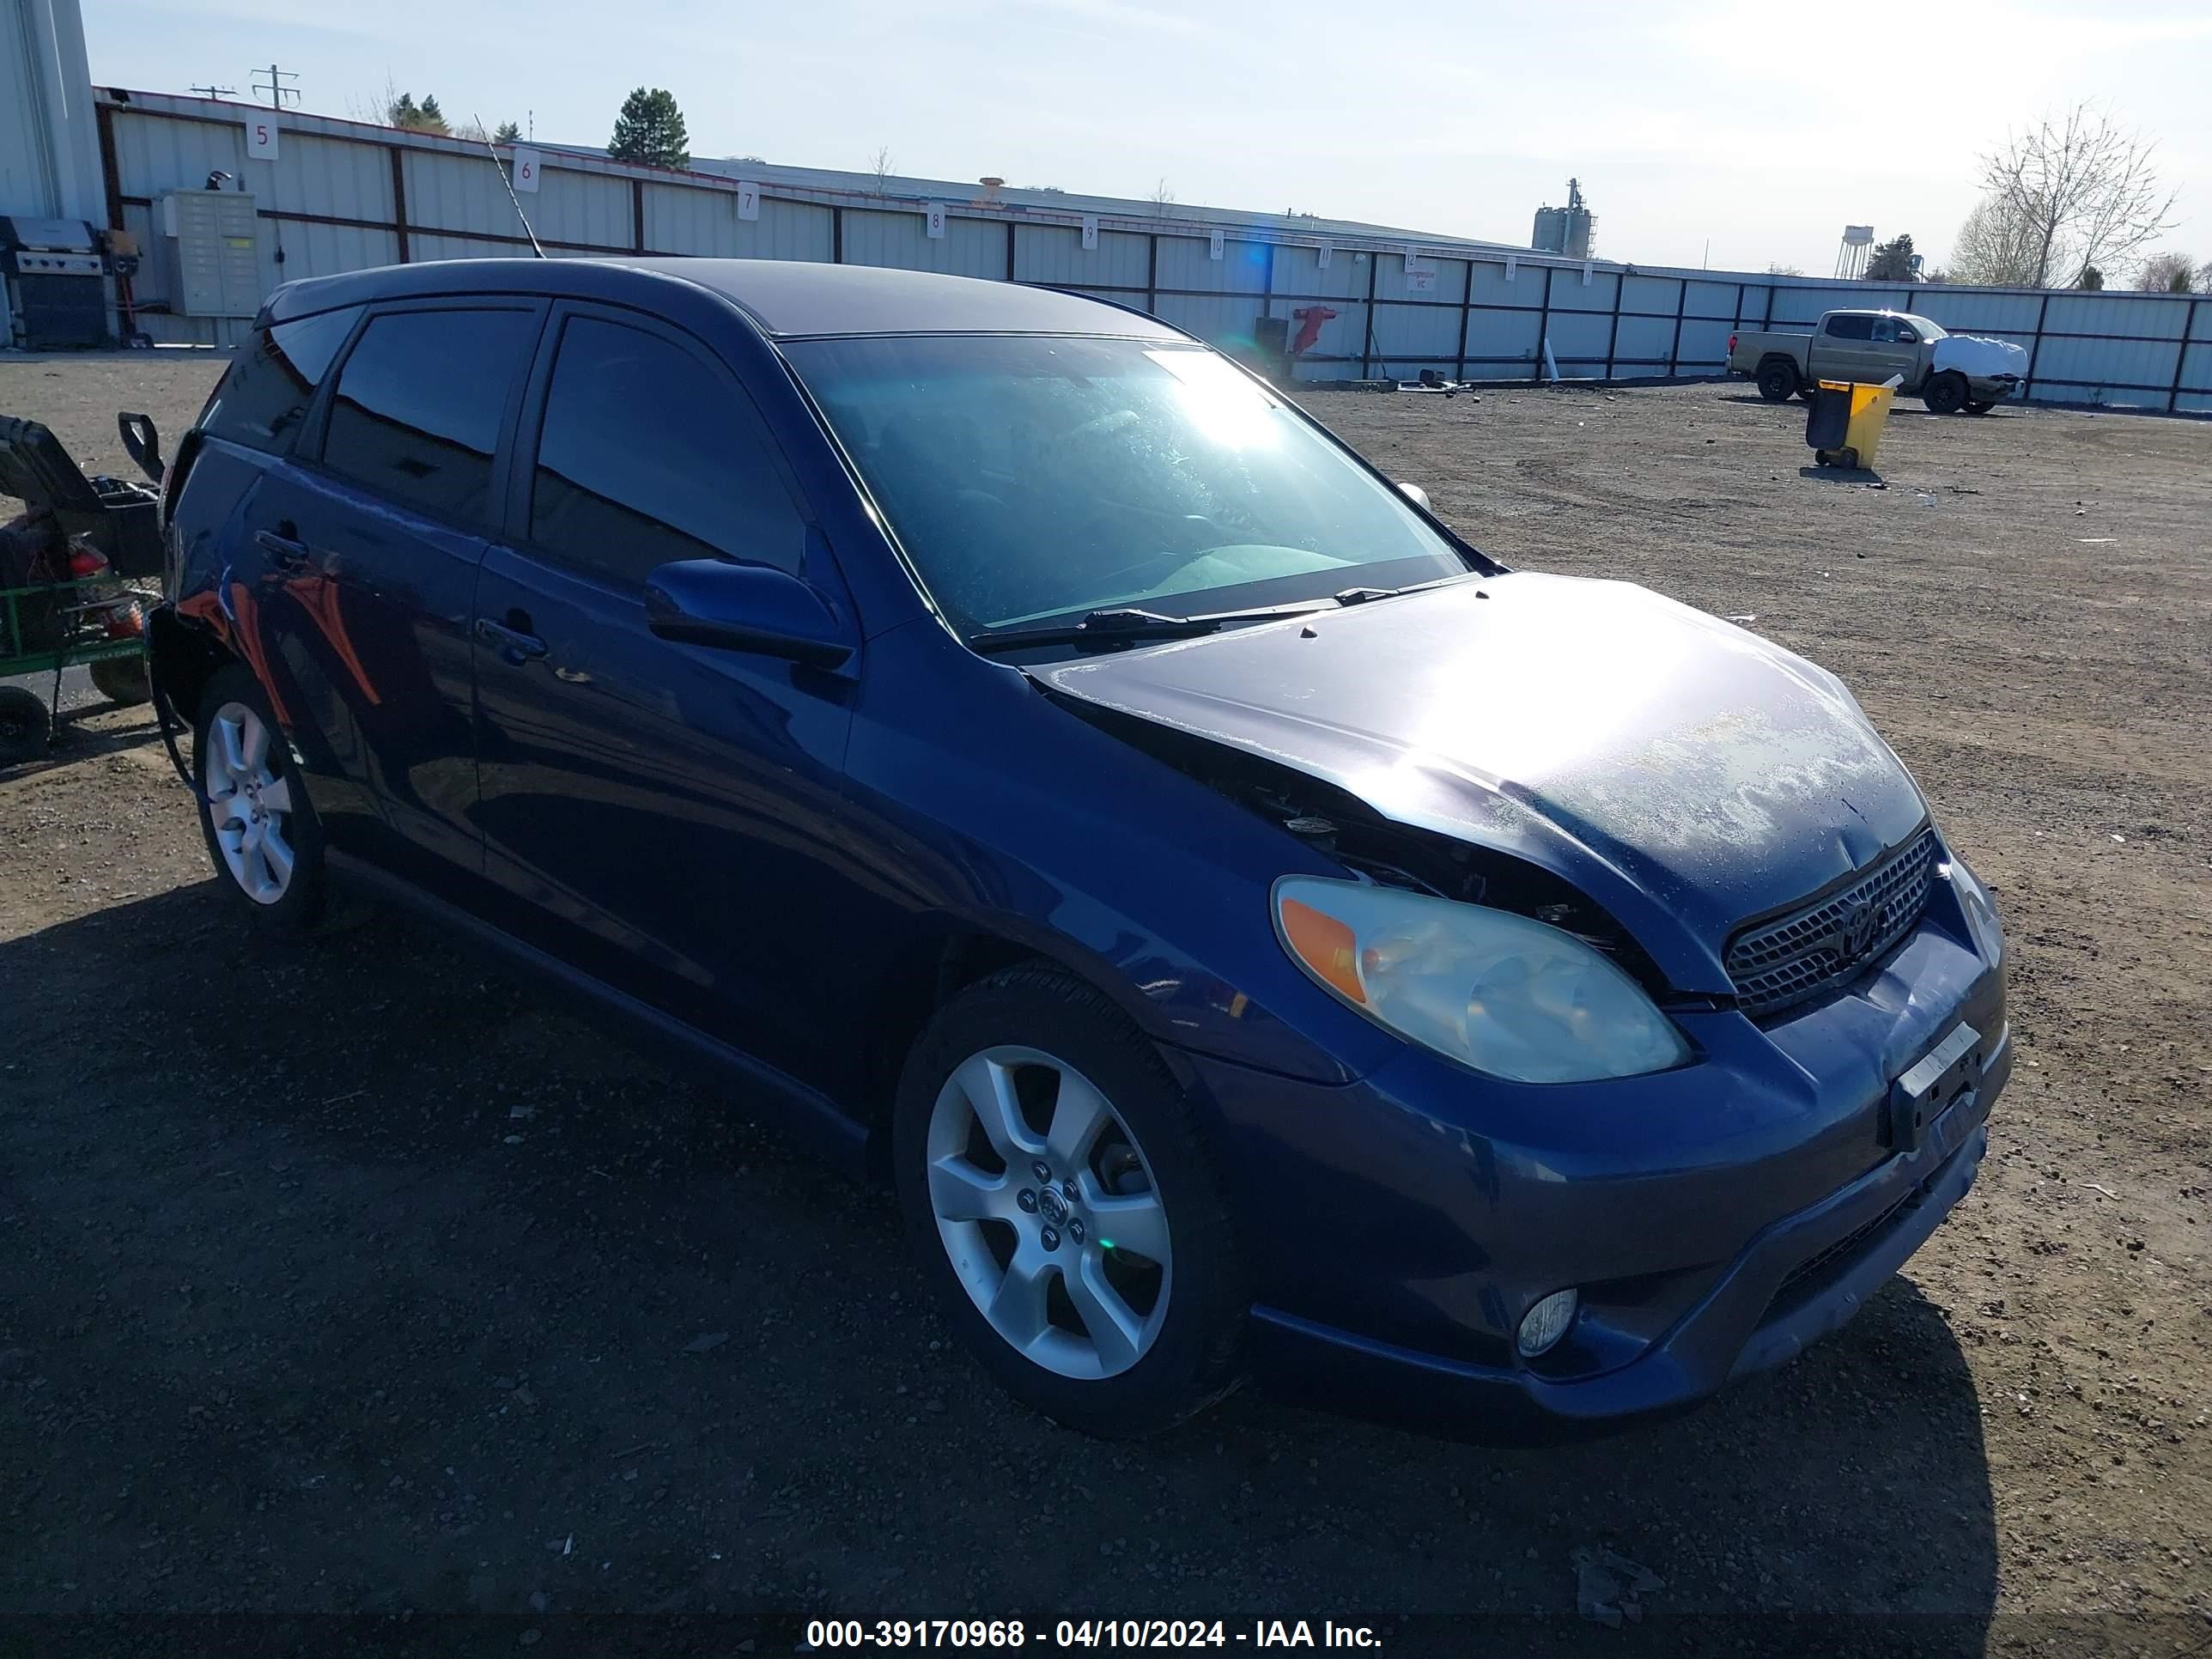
column 1543, row 1325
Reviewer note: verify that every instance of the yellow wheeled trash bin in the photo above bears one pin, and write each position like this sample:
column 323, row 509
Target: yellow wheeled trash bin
column 1844, row 425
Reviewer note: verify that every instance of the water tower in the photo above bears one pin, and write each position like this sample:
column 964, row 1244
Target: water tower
column 1851, row 254
column 1570, row 230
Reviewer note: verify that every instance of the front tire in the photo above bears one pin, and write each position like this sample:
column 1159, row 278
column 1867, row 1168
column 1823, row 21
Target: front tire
column 261, row 830
column 1946, row 394
column 1065, row 1210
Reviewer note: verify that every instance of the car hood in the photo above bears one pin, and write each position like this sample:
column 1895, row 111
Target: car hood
column 1685, row 773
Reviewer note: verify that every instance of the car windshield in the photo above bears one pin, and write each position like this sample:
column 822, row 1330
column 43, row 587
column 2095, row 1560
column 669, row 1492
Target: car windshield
column 1033, row 478
column 1928, row 331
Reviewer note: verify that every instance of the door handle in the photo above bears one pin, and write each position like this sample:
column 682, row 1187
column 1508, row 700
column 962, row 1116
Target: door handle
column 514, row 647
column 288, row 552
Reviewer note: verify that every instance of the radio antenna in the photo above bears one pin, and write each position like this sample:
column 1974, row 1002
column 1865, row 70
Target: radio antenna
column 500, row 168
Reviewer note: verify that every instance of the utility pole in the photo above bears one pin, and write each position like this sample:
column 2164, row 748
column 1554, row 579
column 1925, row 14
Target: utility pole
column 214, row 91
column 274, row 88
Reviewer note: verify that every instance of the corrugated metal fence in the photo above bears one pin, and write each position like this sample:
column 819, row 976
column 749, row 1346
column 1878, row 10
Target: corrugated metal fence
column 341, row 195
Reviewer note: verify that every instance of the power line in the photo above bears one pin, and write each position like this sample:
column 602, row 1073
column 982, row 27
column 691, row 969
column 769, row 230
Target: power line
column 274, row 88
column 214, row 91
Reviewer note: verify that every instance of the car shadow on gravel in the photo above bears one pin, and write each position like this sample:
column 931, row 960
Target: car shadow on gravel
column 355, row 1278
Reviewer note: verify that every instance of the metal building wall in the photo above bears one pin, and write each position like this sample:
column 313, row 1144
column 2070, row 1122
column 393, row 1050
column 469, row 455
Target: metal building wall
column 49, row 144
column 342, row 195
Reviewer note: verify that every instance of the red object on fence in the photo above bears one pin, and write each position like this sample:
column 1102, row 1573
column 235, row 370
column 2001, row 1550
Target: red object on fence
column 1310, row 321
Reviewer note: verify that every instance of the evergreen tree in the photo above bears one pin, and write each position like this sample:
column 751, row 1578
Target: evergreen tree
column 1892, row 261
column 649, row 131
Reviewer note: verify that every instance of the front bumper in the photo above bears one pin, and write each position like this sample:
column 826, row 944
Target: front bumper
column 1717, row 1219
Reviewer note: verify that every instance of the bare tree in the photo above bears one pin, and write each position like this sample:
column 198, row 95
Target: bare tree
column 1993, row 249
column 374, row 108
column 2167, row 273
column 1162, row 199
column 2079, row 191
column 1778, row 269
column 881, row 166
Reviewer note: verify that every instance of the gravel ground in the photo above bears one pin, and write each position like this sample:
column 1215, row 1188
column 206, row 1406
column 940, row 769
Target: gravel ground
column 356, row 1280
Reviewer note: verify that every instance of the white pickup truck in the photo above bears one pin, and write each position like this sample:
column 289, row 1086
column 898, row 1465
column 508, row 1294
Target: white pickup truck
column 1950, row 372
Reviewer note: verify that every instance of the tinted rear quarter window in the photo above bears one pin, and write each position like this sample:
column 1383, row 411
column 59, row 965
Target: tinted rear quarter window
column 649, row 454
column 416, row 413
column 263, row 399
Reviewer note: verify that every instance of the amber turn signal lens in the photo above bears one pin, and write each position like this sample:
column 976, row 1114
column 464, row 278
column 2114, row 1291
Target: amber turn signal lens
column 1327, row 947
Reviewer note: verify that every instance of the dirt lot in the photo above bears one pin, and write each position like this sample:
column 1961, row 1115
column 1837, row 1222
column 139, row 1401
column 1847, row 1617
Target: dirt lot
column 357, row 1280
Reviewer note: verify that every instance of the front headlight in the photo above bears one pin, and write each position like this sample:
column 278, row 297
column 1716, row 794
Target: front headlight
column 1488, row 988
column 1981, row 910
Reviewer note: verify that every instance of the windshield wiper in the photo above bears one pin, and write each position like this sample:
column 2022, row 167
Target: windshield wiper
column 1361, row 595
column 1103, row 629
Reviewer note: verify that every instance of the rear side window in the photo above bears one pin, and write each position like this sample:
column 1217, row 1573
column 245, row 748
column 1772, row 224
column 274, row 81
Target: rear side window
column 1850, row 328
column 647, row 455
column 416, row 413
column 265, row 397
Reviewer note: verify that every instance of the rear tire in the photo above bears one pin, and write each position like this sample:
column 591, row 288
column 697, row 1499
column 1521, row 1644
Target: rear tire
column 1946, row 394
column 1777, row 379
column 25, row 725
column 1031, row 1069
column 260, row 828
column 122, row 680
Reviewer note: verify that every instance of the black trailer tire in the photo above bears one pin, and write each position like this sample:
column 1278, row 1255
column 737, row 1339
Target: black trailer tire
column 1946, row 394
column 26, row 724
column 1979, row 408
column 122, row 680
column 1777, row 379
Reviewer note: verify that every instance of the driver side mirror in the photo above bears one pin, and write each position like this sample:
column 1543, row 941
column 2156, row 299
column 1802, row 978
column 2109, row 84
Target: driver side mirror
column 747, row 607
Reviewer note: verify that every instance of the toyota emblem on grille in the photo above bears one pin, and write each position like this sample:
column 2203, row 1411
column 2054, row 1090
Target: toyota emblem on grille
column 1857, row 929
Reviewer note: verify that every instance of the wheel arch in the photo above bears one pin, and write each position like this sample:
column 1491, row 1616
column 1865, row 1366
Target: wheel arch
column 934, row 967
column 182, row 658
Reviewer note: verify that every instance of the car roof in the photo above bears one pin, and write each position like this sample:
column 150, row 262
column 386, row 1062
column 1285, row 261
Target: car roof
column 787, row 299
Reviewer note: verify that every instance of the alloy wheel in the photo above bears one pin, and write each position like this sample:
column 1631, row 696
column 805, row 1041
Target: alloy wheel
column 1049, row 1213
column 248, row 805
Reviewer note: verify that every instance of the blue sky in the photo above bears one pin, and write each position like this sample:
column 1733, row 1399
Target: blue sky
column 1762, row 125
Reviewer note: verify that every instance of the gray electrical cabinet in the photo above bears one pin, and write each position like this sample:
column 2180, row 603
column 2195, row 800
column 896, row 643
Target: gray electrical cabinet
column 210, row 253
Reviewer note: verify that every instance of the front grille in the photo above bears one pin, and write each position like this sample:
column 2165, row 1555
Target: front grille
column 1779, row 964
